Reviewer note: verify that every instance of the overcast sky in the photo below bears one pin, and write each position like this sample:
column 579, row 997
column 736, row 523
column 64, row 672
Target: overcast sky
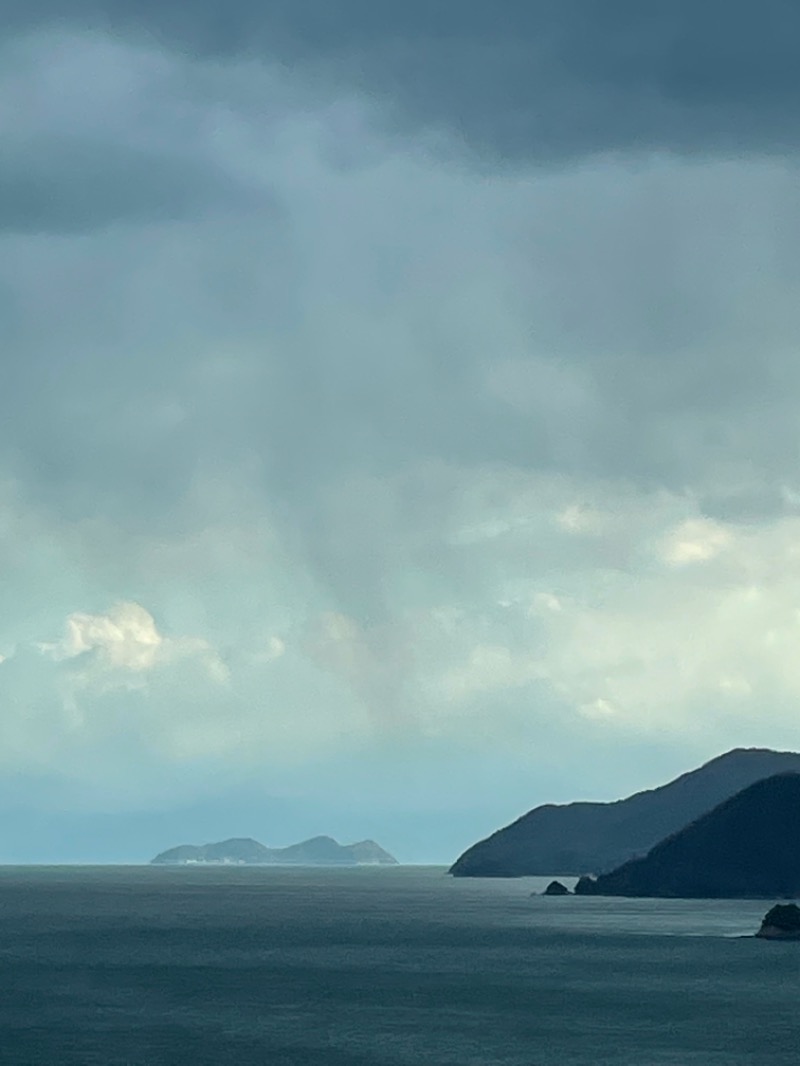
column 399, row 412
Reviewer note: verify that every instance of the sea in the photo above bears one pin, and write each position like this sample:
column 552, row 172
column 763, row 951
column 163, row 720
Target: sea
column 399, row 966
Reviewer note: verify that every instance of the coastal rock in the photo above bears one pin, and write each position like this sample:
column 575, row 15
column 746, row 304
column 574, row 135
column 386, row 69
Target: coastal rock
column 555, row 888
column 781, row 923
column 586, row 886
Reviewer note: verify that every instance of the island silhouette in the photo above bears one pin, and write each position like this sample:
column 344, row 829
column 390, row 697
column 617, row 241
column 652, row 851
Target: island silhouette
column 581, row 838
column 318, row 851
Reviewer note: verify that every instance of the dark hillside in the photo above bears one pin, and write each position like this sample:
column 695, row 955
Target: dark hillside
column 580, row 838
column 748, row 847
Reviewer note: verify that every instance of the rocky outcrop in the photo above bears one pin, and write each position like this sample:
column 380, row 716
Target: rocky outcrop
column 586, row 886
column 555, row 888
column 781, row 923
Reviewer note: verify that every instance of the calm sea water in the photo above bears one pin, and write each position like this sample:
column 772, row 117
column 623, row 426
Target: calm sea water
column 142, row 966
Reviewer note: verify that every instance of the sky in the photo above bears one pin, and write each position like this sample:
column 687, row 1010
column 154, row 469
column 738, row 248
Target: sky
column 398, row 414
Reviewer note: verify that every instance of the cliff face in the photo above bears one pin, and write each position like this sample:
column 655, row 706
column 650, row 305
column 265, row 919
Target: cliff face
column 592, row 837
column 748, row 847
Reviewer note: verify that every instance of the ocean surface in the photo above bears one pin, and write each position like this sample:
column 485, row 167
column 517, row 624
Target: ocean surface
column 143, row 966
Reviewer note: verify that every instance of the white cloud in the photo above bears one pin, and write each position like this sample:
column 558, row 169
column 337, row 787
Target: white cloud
column 600, row 709
column 694, row 541
column 690, row 649
column 126, row 641
column 127, row 636
column 546, row 601
column 487, row 668
column 580, row 519
column 274, row 648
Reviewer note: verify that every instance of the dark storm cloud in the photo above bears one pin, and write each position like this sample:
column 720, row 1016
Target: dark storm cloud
column 542, row 79
column 67, row 186
column 401, row 402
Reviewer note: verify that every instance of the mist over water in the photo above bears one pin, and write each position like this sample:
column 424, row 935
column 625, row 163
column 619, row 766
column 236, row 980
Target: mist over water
column 135, row 966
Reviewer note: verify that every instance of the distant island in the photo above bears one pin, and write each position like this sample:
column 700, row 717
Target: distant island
column 746, row 848
column 319, row 851
column 580, row 838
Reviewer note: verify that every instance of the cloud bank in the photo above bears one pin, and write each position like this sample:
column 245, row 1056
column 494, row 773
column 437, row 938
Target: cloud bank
column 378, row 384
